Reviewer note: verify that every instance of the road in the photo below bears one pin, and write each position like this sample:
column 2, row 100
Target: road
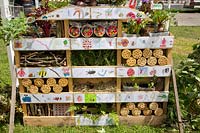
column 188, row 19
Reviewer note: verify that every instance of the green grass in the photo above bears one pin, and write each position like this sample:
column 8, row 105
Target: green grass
column 85, row 129
column 185, row 37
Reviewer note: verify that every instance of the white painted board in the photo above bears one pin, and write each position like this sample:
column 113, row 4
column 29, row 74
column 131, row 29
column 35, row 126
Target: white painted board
column 142, row 96
column 93, row 43
column 46, row 98
column 93, row 72
column 145, row 42
column 42, row 44
column 68, row 13
column 146, row 71
column 43, row 72
column 94, row 97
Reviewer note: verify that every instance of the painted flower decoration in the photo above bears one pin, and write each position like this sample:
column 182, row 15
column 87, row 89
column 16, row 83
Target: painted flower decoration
column 131, row 15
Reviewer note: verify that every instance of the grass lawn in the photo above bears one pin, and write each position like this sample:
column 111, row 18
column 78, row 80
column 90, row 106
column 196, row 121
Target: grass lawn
column 185, row 37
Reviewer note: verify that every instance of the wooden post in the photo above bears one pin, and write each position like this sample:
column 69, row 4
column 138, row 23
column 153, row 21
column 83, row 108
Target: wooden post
column 167, row 79
column 181, row 130
column 68, row 57
column 118, row 64
column 13, row 93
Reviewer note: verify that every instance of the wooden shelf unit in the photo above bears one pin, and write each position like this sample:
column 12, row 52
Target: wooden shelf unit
column 117, row 72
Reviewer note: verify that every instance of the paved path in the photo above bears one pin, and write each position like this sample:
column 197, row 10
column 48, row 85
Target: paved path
column 188, row 19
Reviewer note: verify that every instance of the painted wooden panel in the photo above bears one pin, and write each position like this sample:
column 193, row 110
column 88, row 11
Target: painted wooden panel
column 102, row 121
column 94, row 98
column 142, row 96
column 92, row 13
column 68, row 13
column 146, row 71
column 43, row 72
column 115, row 13
column 42, row 44
column 93, row 43
column 93, row 72
column 145, row 42
column 46, row 98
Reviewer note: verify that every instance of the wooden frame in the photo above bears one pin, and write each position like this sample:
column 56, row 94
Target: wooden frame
column 116, row 72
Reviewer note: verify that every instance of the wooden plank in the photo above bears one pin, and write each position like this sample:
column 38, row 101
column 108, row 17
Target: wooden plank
column 142, row 120
column 142, row 96
column 43, row 72
column 66, row 28
column 41, row 44
column 22, row 90
column 94, row 97
column 64, row 97
column 17, row 58
column 119, row 62
column 93, row 43
column 181, row 130
column 161, row 42
column 93, row 72
column 13, row 92
column 49, row 120
column 145, row 71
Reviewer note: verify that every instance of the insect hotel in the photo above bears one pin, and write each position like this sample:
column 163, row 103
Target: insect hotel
column 85, row 66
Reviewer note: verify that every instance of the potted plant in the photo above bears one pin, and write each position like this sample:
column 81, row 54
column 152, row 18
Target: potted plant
column 134, row 26
column 159, row 19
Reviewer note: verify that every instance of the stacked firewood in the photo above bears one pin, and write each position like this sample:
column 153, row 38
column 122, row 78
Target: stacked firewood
column 141, row 109
column 33, row 85
column 144, row 57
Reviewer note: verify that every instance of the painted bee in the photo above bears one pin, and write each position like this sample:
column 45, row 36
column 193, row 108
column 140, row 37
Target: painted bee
column 42, row 73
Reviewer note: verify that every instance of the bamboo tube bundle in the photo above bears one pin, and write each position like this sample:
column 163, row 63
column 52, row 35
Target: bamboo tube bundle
column 126, row 54
column 39, row 82
column 136, row 112
column 158, row 53
column 153, row 106
column 57, row 88
column 131, row 61
column 63, row 82
column 130, row 106
column 142, row 61
column 45, row 89
column 152, row 61
column 147, row 53
column 158, row 112
column 163, row 60
column 142, row 106
column 124, row 111
column 33, row 89
column 51, row 81
column 137, row 53
column 26, row 82
column 147, row 112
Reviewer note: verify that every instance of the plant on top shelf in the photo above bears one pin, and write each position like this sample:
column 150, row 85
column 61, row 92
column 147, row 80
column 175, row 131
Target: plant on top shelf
column 134, row 26
column 159, row 18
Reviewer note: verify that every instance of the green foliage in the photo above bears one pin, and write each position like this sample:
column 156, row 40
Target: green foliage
column 56, row 5
column 134, row 26
column 99, row 58
column 13, row 29
column 195, row 54
column 188, row 82
column 159, row 17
